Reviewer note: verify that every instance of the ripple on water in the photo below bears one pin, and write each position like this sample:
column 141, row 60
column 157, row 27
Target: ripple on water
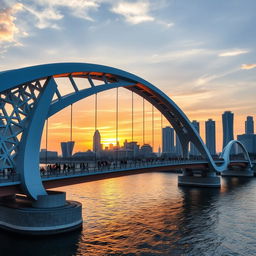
column 148, row 214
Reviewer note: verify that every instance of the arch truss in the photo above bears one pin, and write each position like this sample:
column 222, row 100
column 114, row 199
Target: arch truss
column 31, row 95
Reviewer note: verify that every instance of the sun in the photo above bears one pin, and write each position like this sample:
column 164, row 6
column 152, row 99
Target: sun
column 107, row 141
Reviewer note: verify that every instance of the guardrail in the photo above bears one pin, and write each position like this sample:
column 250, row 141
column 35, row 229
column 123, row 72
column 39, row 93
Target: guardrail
column 70, row 169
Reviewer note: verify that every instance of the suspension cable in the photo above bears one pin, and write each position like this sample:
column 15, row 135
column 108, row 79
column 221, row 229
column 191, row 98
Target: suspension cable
column 132, row 116
column 71, row 122
column 117, row 126
column 143, row 109
column 96, row 112
column 133, row 153
column 46, row 143
column 162, row 132
column 95, row 129
column 153, row 128
column 71, row 131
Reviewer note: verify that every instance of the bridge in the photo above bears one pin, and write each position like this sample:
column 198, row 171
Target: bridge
column 29, row 96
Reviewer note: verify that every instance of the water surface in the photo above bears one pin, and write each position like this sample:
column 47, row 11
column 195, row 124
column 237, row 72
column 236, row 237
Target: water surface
column 148, row 214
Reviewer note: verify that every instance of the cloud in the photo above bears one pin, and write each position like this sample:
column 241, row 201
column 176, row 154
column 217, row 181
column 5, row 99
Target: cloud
column 179, row 54
column 134, row 13
column 205, row 79
column 47, row 12
column 234, row 52
column 8, row 29
column 46, row 17
column 248, row 66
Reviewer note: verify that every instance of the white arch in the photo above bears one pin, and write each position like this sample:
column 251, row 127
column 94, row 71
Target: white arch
column 11, row 83
column 227, row 152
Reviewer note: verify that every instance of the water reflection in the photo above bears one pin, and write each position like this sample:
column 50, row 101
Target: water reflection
column 230, row 183
column 148, row 214
column 62, row 244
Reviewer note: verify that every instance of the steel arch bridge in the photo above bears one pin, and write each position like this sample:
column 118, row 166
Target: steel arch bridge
column 31, row 95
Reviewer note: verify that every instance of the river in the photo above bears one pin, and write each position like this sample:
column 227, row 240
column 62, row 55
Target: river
column 148, row 214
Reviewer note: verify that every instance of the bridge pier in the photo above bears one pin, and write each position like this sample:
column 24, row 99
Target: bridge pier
column 199, row 179
column 49, row 214
column 248, row 172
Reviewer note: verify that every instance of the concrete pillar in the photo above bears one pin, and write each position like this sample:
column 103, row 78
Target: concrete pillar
column 50, row 214
column 247, row 172
column 206, row 179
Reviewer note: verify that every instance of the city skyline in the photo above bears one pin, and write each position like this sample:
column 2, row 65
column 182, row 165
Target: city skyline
column 84, row 136
column 170, row 142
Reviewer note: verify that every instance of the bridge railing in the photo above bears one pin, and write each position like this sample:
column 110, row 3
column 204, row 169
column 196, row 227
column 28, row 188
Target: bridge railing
column 9, row 176
column 89, row 168
column 70, row 169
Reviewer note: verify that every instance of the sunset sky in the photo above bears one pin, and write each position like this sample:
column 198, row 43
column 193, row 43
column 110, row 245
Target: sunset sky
column 200, row 53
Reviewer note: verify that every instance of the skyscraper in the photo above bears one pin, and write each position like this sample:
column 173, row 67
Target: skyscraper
column 228, row 127
column 96, row 141
column 67, row 148
column 70, row 147
column 193, row 149
column 168, row 140
column 178, row 147
column 210, row 136
column 249, row 125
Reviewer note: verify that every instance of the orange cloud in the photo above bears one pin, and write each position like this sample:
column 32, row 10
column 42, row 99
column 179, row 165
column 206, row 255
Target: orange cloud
column 7, row 26
column 248, row 66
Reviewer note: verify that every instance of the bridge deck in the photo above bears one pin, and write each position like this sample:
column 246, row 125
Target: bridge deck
column 11, row 184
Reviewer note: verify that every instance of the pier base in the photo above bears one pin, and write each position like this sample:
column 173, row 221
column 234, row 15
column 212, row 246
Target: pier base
column 50, row 214
column 238, row 173
column 207, row 180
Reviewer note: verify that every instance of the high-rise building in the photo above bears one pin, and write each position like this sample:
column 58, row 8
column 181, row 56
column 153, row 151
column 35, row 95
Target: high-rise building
column 70, row 147
column 249, row 125
column 228, row 127
column 67, row 148
column 210, row 136
column 96, row 141
column 168, row 140
column 64, row 149
column 193, row 149
column 178, row 147
column 249, row 142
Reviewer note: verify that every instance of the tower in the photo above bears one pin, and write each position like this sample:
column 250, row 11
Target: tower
column 67, row 148
column 178, row 147
column 210, row 136
column 228, row 127
column 249, row 125
column 167, row 140
column 193, row 149
column 96, row 141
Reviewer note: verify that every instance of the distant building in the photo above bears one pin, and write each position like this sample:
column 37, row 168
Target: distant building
column 45, row 154
column 67, row 148
column 88, row 155
column 146, row 150
column 249, row 125
column 228, row 127
column 193, row 149
column 168, row 140
column 210, row 136
column 249, row 141
column 97, row 142
column 132, row 146
column 178, row 147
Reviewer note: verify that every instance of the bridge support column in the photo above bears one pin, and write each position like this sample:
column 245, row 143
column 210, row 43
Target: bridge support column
column 248, row 172
column 50, row 214
column 199, row 179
